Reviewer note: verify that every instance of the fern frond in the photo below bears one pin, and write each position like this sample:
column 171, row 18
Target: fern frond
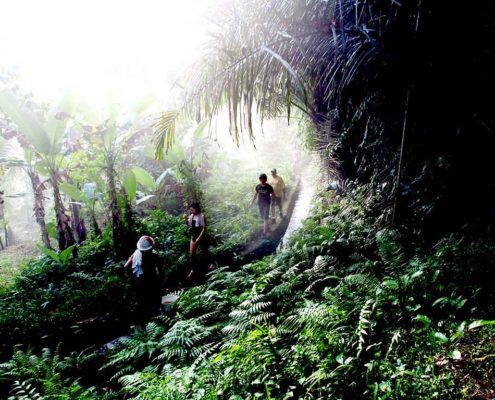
column 25, row 391
column 364, row 325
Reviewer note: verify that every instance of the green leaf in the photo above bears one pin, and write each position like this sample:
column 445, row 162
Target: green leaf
column 73, row 192
column 130, row 184
column 42, row 168
column 50, row 253
column 440, row 301
column 199, row 130
column 65, row 254
column 55, row 130
column 163, row 175
column 479, row 323
column 149, row 151
column 390, row 283
column 164, row 136
column 176, row 154
column 25, row 120
column 51, row 227
column 109, row 136
column 440, row 337
column 423, row 319
column 145, row 198
column 143, row 177
column 28, row 156
column 416, row 274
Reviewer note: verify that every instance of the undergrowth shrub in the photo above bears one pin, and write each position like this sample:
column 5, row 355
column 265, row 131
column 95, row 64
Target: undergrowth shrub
column 350, row 309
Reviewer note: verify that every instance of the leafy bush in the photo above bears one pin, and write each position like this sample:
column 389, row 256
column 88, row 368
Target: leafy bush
column 348, row 310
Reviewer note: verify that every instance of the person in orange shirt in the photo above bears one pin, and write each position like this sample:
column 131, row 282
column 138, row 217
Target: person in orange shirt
column 278, row 185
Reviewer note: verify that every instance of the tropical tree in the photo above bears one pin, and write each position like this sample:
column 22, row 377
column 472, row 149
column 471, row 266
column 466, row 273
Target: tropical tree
column 368, row 75
column 45, row 136
column 27, row 163
column 188, row 158
column 111, row 135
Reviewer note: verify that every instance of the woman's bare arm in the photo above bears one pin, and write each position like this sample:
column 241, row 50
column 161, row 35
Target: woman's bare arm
column 202, row 230
column 128, row 263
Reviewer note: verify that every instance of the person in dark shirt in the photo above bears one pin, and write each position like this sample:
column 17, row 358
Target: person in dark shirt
column 263, row 191
column 146, row 280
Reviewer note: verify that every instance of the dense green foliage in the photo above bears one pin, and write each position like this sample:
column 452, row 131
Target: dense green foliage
column 347, row 310
column 340, row 314
column 385, row 293
column 51, row 300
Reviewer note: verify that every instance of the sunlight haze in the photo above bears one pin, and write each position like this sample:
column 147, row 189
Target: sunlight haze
column 128, row 47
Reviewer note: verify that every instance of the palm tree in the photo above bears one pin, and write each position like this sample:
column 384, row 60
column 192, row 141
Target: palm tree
column 368, row 75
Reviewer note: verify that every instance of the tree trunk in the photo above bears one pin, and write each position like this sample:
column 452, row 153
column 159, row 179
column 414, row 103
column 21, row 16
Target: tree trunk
column 78, row 224
column 75, row 220
column 117, row 228
column 39, row 208
column 94, row 222
column 65, row 233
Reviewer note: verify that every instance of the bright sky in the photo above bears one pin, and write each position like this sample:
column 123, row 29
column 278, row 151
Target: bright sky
column 128, row 46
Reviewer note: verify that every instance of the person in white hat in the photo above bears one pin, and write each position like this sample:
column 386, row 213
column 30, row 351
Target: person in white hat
column 142, row 265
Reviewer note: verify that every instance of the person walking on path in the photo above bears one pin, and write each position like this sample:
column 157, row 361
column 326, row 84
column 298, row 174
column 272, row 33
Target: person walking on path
column 263, row 191
column 278, row 196
column 143, row 264
column 197, row 224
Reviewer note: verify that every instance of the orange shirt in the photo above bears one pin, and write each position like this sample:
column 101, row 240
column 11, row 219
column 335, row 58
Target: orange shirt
column 278, row 185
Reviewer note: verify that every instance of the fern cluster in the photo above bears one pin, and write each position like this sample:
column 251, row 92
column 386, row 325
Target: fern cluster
column 339, row 313
column 332, row 315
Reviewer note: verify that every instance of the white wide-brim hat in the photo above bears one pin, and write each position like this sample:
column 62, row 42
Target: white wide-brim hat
column 144, row 244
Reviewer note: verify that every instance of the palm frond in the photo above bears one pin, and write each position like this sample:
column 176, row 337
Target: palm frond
column 164, row 135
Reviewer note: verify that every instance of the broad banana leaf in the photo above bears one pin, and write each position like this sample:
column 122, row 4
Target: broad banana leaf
column 143, row 177
column 110, row 135
column 163, row 176
column 26, row 121
column 130, row 184
column 73, row 192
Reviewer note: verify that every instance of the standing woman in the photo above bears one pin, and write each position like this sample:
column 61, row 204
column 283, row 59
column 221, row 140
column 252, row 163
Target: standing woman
column 143, row 264
column 197, row 224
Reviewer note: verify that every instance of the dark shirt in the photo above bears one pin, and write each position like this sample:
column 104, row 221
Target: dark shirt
column 264, row 193
column 149, row 265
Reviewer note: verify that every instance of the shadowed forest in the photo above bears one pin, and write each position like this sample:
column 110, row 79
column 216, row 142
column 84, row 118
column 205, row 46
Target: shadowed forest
column 143, row 254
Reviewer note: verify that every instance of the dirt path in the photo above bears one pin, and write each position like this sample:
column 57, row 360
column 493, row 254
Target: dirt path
column 12, row 258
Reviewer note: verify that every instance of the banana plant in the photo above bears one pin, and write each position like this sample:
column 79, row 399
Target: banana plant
column 187, row 157
column 38, row 187
column 110, row 137
column 61, row 258
column 45, row 138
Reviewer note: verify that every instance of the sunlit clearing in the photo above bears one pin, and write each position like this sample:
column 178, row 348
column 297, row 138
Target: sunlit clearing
column 126, row 47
